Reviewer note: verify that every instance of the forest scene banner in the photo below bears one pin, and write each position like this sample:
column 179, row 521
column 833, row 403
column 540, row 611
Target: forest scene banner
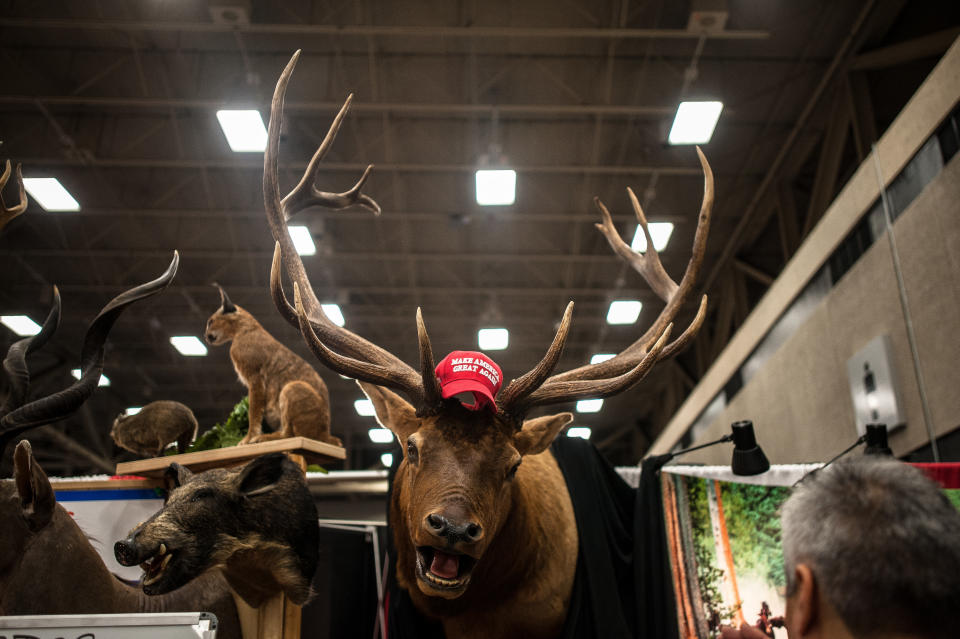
column 724, row 544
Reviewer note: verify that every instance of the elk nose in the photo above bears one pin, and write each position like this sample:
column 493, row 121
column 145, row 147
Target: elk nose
column 467, row 532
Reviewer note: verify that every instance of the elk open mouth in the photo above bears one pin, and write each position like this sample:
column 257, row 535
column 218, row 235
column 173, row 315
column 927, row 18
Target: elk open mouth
column 154, row 566
column 444, row 570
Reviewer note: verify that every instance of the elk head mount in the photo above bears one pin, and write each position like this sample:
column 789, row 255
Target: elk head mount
column 461, row 479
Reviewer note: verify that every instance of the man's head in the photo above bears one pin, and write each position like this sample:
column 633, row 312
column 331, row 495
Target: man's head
column 875, row 544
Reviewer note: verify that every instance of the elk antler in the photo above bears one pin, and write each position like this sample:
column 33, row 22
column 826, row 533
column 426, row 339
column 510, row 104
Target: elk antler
column 17, row 417
column 629, row 366
column 8, row 213
column 354, row 356
column 340, row 349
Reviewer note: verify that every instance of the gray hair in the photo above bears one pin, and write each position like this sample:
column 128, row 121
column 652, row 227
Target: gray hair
column 883, row 542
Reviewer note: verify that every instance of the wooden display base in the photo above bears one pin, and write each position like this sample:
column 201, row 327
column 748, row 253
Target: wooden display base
column 312, row 450
column 276, row 618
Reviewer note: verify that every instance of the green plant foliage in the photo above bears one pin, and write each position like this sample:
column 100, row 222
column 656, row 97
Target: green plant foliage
column 753, row 525
column 316, row 468
column 223, row 435
column 953, row 495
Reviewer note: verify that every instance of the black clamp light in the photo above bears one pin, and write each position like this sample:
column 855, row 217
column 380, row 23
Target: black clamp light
column 748, row 457
column 875, row 438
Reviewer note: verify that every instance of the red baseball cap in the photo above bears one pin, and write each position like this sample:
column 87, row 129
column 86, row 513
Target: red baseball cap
column 470, row 371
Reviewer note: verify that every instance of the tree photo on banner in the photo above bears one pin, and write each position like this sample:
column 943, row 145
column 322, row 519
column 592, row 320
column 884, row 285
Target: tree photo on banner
column 725, row 549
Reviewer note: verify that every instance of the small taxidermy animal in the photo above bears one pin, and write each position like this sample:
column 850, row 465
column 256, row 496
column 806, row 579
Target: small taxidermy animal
column 156, row 426
column 283, row 388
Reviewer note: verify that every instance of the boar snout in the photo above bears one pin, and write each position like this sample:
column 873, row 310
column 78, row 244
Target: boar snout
column 128, row 552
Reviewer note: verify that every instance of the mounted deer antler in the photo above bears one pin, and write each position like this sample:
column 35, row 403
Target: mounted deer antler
column 576, row 383
column 17, row 416
column 363, row 360
column 351, row 355
column 8, row 213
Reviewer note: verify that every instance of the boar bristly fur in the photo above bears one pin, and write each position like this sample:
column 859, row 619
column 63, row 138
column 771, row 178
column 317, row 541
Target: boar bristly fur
column 49, row 567
column 258, row 524
column 156, row 426
column 283, row 388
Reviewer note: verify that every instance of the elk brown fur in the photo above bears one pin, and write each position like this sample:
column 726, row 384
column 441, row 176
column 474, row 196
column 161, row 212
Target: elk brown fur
column 156, row 426
column 515, row 578
column 49, row 567
column 283, row 389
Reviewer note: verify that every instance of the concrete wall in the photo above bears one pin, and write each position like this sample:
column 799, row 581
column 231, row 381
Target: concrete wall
column 800, row 401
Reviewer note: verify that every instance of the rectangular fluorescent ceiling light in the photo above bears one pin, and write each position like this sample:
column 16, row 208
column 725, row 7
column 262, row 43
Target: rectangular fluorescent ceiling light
column 188, row 345
column 103, row 381
column 50, row 194
column 334, row 314
column 493, row 339
column 624, row 311
column 583, row 432
column 387, row 459
column 589, row 405
column 364, row 408
column 380, row 435
column 133, row 410
column 496, row 187
column 20, row 324
column 601, row 357
column 244, row 130
column 302, row 240
column 695, row 122
column 660, row 233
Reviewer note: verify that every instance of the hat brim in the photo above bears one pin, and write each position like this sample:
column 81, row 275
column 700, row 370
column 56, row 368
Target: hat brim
column 458, row 386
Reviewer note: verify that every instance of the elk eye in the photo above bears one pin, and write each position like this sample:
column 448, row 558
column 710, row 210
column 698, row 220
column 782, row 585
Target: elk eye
column 413, row 455
column 513, row 471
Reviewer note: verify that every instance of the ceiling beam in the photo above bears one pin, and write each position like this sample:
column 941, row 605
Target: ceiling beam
column 928, row 46
column 389, row 31
column 266, row 256
column 320, row 106
column 357, row 167
column 516, row 216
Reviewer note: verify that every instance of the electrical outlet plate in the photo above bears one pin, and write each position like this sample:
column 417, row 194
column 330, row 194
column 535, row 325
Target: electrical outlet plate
column 873, row 386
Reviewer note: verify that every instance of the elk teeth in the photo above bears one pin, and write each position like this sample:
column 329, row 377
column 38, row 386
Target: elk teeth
column 442, row 581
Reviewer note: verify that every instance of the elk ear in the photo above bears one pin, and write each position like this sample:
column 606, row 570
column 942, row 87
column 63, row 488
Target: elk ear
column 393, row 412
column 538, row 433
column 37, row 500
column 175, row 476
column 261, row 475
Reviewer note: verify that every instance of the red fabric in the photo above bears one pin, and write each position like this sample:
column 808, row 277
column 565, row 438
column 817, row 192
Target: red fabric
column 473, row 372
column 945, row 474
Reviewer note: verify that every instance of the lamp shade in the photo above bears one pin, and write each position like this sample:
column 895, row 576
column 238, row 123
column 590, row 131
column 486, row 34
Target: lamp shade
column 748, row 458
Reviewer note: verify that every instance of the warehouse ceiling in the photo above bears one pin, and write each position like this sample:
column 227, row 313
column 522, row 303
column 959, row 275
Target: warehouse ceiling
column 118, row 101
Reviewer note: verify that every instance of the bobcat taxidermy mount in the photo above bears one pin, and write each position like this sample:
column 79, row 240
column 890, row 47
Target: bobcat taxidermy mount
column 283, row 388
